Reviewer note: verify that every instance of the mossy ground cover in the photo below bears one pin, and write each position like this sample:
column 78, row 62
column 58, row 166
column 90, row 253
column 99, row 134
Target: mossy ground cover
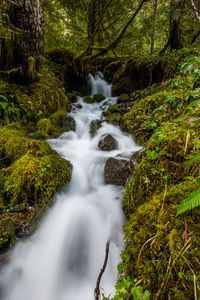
column 30, row 171
column 162, row 249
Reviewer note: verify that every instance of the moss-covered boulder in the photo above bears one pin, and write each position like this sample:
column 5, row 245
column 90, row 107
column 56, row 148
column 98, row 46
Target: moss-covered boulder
column 88, row 99
column 63, row 121
column 45, row 129
column 98, row 97
column 29, row 103
column 123, row 98
column 30, row 175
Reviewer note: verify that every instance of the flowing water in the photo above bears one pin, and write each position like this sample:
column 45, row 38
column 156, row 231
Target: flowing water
column 62, row 260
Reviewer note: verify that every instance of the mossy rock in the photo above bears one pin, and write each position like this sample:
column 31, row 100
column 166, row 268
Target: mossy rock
column 13, row 144
column 123, row 98
column 45, row 129
column 34, row 180
column 36, row 100
column 30, row 175
column 98, row 97
column 88, row 99
column 63, row 121
column 114, row 118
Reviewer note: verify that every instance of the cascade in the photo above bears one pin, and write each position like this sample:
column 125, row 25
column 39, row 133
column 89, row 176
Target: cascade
column 62, row 260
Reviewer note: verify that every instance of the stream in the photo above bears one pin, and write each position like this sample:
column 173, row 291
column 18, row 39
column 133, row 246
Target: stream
column 63, row 259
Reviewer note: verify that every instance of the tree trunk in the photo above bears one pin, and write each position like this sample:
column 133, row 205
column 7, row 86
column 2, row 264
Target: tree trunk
column 91, row 25
column 155, row 11
column 175, row 32
column 24, row 18
column 174, row 41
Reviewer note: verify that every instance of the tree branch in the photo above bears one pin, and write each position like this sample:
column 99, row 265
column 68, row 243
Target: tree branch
column 97, row 289
column 115, row 43
column 195, row 11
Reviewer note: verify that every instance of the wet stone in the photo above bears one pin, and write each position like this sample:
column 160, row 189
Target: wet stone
column 108, row 143
column 116, row 171
column 94, row 127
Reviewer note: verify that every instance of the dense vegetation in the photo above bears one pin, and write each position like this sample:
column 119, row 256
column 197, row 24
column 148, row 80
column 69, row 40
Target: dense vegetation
column 149, row 49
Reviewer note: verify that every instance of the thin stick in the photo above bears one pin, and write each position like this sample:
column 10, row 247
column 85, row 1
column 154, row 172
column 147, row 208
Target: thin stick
column 97, row 289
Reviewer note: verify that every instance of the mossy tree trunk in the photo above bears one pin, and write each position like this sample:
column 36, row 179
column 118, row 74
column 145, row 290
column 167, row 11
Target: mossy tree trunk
column 174, row 40
column 24, row 19
column 175, row 32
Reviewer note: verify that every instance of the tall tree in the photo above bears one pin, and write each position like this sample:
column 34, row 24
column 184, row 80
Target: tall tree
column 175, row 32
column 155, row 11
column 174, row 40
column 25, row 19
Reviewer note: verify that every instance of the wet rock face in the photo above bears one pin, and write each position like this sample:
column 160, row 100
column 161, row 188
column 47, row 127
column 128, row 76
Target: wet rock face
column 108, row 143
column 67, row 123
column 116, row 171
column 94, row 126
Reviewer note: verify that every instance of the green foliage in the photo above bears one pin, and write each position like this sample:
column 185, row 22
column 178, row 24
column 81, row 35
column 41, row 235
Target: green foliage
column 192, row 68
column 126, row 289
column 162, row 251
column 190, row 203
column 8, row 110
column 138, row 293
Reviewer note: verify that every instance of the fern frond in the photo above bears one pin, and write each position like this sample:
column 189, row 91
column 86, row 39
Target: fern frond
column 192, row 201
column 195, row 159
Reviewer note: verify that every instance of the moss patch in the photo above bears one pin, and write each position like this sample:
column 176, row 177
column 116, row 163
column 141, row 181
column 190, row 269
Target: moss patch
column 161, row 250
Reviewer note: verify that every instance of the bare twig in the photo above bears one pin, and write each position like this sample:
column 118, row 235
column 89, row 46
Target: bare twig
column 97, row 289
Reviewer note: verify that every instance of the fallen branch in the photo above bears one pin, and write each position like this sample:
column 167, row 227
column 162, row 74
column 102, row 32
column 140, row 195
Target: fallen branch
column 97, row 289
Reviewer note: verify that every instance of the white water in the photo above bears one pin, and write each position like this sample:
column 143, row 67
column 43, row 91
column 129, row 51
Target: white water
column 62, row 260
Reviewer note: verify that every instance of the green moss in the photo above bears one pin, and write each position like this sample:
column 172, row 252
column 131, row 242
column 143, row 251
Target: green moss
column 123, row 98
column 39, row 99
column 98, row 97
column 161, row 250
column 155, row 242
column 88, row 99
column 63, row 121
column 45, row 129
column 30, row 175
column 13, row 144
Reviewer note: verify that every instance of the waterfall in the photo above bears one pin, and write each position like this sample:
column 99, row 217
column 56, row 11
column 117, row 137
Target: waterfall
column 62, row 260
column 98, row 85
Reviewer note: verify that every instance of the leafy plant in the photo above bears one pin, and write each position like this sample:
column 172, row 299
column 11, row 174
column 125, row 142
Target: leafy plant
column 191, row 67
column 152, row 155
column 190, row 202
column 139, row 294
column 126, row 289
column 8, row 110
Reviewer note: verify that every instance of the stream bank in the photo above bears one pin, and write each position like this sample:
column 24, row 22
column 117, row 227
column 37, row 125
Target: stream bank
column 162, row 250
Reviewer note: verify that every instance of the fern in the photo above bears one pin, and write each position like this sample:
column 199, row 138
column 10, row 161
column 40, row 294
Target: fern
column 192, row 201
column 195, row 159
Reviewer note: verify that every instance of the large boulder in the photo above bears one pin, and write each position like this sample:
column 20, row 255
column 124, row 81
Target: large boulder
column 98, row 97
column 108, row 143
column 94, row 126
column 116, row 171
column 123, row 98
column 88, row 99
column 64, row 121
